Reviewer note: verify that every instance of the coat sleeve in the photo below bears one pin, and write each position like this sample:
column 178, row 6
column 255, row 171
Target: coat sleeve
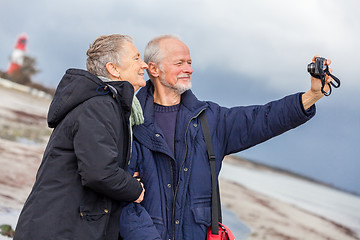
column 239, row 128
column 96, row 143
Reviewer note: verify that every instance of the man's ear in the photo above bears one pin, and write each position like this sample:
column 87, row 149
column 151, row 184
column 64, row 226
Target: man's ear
column 153, row 69
column 112, row 69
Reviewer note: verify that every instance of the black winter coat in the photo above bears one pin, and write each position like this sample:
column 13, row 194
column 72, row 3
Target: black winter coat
column 80, row 183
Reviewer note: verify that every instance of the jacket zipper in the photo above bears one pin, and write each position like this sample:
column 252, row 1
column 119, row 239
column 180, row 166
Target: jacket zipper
column 177, row 184
column 173, row 192
column 127, row 122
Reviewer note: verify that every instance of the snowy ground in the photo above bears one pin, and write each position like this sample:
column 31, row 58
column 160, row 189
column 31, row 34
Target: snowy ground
column 8, row 216
column 340, row 207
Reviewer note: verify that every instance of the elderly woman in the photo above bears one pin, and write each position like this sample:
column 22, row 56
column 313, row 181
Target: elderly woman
column 81, row 182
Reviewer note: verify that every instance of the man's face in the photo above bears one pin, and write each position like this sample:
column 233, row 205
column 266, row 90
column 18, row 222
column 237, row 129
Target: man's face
column 175, row 67
column 132, row 67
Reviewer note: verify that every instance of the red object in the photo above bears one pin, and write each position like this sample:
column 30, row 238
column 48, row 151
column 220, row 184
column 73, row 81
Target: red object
column 17, row 57
column 224, row 233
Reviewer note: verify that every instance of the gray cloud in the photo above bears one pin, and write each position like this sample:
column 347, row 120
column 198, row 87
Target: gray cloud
column 267, row 40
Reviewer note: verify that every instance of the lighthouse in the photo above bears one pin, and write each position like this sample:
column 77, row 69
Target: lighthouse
column 17, row 56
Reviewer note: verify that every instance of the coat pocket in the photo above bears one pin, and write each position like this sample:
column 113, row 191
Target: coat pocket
column 94, row 206
column 94, row 221
column 196, row 222
column 93, row 214
column 202, row 215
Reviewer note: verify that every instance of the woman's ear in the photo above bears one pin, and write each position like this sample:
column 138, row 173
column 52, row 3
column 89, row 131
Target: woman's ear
column 153, row 69
column 112, row 69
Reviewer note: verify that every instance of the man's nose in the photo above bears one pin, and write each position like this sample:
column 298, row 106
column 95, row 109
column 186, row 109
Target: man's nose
column 144, row 65
column 188, row 69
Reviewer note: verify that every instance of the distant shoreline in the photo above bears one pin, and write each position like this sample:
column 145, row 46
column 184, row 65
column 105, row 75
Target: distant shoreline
column 269, row 218
column 238, row 160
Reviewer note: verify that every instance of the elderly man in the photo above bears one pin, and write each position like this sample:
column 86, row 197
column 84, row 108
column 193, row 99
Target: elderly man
column 169, row 150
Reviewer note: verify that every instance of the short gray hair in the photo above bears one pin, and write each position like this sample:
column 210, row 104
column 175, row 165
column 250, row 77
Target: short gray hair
column 107, row 48
column 152, row 51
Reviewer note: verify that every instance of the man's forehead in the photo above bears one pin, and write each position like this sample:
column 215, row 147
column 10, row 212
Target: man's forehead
column 175, row 49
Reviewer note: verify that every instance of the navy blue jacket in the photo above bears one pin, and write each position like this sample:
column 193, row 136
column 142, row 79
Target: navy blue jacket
column 178, row 187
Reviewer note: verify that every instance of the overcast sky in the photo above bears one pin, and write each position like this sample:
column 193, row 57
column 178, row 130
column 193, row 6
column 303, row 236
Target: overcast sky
column 269, row 41
column 244, row 52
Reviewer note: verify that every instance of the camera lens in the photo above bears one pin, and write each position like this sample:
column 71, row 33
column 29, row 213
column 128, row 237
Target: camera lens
column 311, row 67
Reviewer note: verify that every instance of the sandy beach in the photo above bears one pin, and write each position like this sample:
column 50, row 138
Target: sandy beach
column 23, row 138
column 270, row 218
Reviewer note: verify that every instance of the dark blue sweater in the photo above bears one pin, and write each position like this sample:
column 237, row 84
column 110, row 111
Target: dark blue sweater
column 165, row 118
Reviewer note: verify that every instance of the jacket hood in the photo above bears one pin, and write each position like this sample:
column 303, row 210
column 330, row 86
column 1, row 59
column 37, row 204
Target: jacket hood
column 77, row 86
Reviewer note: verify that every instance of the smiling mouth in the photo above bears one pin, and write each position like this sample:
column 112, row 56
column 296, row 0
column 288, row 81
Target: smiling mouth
column 184, row 77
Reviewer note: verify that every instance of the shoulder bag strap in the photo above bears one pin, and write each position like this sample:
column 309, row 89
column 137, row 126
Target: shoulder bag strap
column 215, row 198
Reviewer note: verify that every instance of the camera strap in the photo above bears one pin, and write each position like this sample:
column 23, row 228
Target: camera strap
column 334, row 78
column 322, row 78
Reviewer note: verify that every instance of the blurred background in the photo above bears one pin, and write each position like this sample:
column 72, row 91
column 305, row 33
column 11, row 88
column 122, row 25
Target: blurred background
column 244, row 53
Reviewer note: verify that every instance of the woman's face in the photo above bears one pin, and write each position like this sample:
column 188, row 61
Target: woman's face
column 132, row 67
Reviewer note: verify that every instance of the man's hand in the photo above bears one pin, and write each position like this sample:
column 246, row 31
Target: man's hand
column 314, row 94
column 316, row 83
column 141, row 197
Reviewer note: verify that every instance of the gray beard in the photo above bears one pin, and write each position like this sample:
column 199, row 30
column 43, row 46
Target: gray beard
column 178, row 88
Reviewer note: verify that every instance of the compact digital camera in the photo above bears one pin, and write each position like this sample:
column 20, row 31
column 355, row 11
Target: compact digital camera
column 318, row 69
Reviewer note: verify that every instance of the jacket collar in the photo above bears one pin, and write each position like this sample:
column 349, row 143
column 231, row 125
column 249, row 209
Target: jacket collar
column 146, row 98
column 147, row 133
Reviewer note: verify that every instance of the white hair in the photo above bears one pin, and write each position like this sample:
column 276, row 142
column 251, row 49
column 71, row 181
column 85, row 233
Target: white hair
column 152, row 50
column 108, row 48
